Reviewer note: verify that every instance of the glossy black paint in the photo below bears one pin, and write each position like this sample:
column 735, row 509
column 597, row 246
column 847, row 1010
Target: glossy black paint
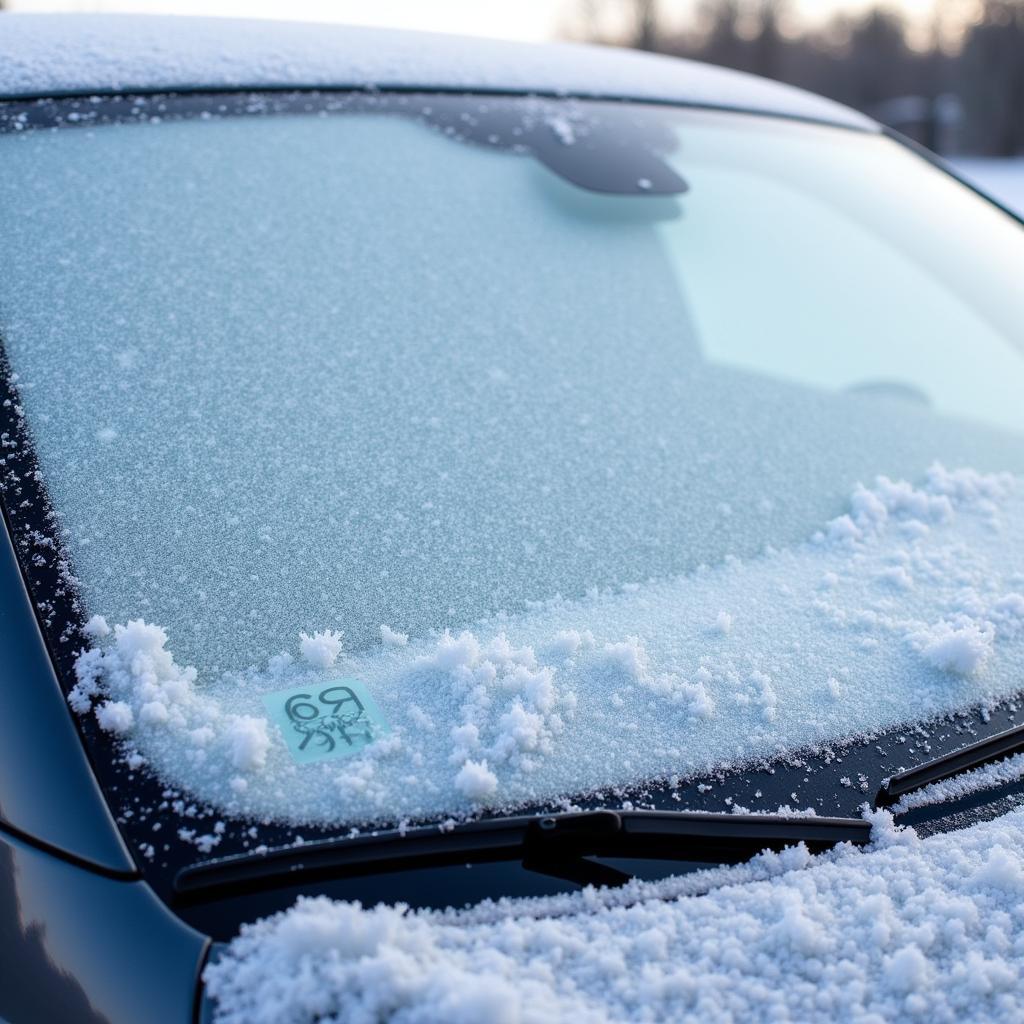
column 47, row 788
column 79, row 948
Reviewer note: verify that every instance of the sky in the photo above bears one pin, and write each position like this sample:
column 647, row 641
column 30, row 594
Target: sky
column 531, row 20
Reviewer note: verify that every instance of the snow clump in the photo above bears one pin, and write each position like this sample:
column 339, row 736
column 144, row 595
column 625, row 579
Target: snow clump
column 476, row 781
column 321, row 650
column 115, row 716
column 143, row 694
column 96, row 628
column 962, row 648
column 510, row 708
column 392, row 638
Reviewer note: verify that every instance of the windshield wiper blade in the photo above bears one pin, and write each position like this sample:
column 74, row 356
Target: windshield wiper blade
column 975, row 755
column 553, row 844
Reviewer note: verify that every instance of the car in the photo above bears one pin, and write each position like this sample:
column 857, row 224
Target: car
column 442, row 470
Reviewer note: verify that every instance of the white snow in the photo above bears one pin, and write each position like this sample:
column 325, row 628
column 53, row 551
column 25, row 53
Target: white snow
column 988, row 776
column 476, row 781
column 43, row 54
column 115, row 716
column 929, row 930
column 153, row 697
column 568, row 642
column 629, row 656
column 961, row 647
column 623, row 686
column 96, row 628
column 321, row 649
column 895, row 576
column 154, row 712
column 393, row 638
column 1001, row 178
column 907, row 970
column 249, row 743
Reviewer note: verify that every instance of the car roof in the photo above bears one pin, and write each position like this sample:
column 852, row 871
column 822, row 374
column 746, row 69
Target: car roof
column 76, row 54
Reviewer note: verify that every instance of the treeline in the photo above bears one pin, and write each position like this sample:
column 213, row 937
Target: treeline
column 955, row 84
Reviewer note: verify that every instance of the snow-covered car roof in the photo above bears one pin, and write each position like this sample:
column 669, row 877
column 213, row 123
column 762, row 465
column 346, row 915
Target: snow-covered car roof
column 47, row 55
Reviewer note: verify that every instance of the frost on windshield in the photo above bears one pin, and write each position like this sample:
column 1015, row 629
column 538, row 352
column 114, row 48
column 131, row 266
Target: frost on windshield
column 909, row 929
column 908, row 605
column 487, row 446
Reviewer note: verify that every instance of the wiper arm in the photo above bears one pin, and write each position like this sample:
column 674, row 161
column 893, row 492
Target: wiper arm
column 552, row 844
column 965, row 759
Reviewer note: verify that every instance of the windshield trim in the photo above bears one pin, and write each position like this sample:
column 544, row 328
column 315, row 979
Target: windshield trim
column 8, row 101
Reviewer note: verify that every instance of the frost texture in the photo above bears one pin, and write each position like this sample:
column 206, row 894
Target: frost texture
column 619, row 688
column 300, row 441
column 909, row 930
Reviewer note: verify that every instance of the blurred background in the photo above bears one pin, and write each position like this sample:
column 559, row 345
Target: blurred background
column 949, row 73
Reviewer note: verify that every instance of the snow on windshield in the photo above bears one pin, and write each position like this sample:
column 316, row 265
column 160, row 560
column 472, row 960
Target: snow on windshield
column 501, row 489
column 908, row 605
column 908, row 929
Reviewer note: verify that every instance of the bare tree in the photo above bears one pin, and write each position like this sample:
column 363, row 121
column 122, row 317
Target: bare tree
column 991, row 80
column 633, row 23
column 971, row 58
column 645, row 14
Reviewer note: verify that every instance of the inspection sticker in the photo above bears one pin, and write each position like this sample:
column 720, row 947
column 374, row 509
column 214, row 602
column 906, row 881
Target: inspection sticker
column 327, row 720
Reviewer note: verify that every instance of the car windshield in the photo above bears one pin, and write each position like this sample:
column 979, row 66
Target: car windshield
column 412, row 455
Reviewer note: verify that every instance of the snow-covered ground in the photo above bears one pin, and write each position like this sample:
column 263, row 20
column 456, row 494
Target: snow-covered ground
column 1003, row 179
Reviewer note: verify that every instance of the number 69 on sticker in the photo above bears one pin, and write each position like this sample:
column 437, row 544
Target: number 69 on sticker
column 328, row 720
